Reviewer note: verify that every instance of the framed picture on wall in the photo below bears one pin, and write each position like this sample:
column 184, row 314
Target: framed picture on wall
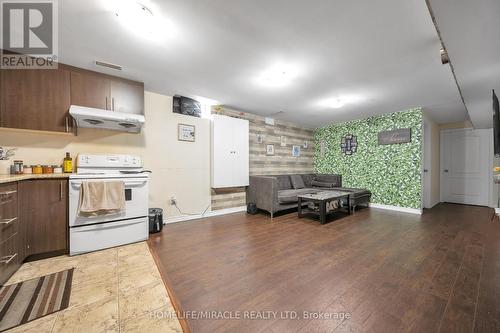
column 296, row 151
column 260, row 138
column 305, row 145
column 185, row 132
column 283, row 141
column 270, row 150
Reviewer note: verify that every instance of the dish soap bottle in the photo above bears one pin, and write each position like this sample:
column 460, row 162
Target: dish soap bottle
column 68, row 164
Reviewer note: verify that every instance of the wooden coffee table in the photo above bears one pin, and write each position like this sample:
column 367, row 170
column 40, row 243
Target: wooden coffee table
column 322, row 199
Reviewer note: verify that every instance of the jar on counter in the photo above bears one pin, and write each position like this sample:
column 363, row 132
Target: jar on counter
column 18, row 167
column 57, row 169
column 28, row 169
column 37, row 169
column 48, row 169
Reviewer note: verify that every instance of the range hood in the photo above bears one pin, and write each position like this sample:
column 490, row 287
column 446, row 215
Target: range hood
column 104, row 119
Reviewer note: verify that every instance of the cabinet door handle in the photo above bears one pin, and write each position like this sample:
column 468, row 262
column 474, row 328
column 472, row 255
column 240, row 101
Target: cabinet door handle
column 67, row 124
column 7, row 221
column 113, row 104
column 106, row 102
column 60, row 191
column 7, row 259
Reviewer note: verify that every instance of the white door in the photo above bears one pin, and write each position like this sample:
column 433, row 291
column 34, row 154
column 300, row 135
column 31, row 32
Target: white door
column 222, row 147
column 466, row 166
column 241, row 152
column 426, row 174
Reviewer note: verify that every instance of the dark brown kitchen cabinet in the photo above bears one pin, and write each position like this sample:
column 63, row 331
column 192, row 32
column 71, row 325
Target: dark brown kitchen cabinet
column 44, row 208
column 95, row 90
column 35, row 99
column 11, row 247
column 127, row 96
column 39, row 99
column 90, row 89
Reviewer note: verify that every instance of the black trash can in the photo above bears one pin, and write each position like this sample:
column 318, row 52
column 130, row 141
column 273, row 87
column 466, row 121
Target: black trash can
column 252, row 208
column 155, row 220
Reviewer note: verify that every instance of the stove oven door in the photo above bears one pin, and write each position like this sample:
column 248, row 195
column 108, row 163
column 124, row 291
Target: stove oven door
column 136, row 202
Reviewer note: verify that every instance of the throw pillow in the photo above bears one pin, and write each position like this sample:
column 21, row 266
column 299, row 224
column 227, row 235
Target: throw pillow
column 297, row 181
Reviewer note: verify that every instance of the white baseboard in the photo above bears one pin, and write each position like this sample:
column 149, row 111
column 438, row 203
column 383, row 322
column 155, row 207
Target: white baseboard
column 397, row 208
column 182, row 218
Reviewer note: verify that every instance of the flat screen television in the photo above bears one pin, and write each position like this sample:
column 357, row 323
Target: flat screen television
column 186, row 106
column 496, row 124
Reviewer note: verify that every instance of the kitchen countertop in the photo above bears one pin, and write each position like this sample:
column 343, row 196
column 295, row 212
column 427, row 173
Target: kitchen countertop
column 15, row 178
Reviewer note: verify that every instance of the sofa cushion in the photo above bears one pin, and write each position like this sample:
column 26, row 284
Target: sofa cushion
column 316, row 183
column 335, row 180
column 297, row 181
column 290, row 196
column 284, row 182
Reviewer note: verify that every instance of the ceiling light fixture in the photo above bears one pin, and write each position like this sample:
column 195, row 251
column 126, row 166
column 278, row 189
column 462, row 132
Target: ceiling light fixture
column 142, row 20
column 278, row 75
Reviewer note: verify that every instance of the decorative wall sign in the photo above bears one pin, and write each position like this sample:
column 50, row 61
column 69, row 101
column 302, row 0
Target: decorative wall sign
column 349, row 144
column 270, row 150
column 296, row 151
column 185, row 132
column 401, row 135
column 283, row 141
column 305, row 145
column 260, row 138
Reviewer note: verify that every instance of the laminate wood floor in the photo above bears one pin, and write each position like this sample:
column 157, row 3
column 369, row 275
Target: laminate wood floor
column 389, row 271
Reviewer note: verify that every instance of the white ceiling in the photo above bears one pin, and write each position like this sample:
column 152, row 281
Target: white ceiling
column 471, row 34
column 383, row 54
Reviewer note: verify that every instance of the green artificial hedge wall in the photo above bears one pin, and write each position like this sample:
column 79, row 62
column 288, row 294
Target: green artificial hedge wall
column 391, row 172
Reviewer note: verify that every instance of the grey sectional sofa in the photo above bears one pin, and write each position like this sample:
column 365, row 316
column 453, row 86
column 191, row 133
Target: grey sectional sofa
column 279, row 192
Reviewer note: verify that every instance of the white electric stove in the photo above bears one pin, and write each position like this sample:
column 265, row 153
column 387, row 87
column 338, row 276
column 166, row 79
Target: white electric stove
column 87, row 234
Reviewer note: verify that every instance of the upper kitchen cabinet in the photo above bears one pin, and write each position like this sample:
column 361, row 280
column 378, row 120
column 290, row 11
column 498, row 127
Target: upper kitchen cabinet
column 90, row 89
column 36, row 99
column 127, row 96
column 106, row 92
column 39, row 99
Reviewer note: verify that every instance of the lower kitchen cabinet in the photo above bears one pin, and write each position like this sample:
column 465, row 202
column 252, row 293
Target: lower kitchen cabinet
column 11, row 251
column 44, row 209
column 33, row 222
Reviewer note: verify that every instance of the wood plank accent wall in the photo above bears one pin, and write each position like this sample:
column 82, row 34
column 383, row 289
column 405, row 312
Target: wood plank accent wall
column 260, row 164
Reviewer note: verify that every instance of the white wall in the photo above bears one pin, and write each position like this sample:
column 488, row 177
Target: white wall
column 434, row 159
column 180, row 169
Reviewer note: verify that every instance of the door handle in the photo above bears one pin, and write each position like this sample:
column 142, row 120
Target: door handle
column 6, row 261
column 8, row 192
column 106, row 102
column 113, row 104
column 7, row 221
column 446, row 170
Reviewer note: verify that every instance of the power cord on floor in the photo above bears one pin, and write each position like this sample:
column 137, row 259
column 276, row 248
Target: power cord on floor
column 182, row 213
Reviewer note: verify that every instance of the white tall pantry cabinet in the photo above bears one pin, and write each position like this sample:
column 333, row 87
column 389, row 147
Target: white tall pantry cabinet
column 230, row 152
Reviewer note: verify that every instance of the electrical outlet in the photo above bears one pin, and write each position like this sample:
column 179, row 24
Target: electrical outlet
column 173, row 201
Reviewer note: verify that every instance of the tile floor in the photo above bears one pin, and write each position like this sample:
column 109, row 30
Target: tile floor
column 114, row 290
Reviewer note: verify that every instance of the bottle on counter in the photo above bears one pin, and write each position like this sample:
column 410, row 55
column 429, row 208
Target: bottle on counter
column 68, row 164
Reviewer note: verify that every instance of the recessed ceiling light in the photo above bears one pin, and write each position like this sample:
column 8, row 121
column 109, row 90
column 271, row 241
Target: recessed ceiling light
column 278, row 75
column 334, row 103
